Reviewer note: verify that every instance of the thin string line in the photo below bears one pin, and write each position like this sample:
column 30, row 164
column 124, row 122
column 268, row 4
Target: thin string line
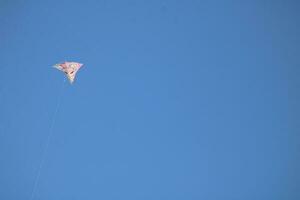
column 50, row 133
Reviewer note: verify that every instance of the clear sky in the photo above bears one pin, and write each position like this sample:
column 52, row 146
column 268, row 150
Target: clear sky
column 176, row 100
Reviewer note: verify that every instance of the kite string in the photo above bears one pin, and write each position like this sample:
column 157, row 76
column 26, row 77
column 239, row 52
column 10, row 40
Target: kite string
column 50, row 133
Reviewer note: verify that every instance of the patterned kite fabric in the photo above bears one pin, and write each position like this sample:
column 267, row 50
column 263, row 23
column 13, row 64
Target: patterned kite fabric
column 69, row 68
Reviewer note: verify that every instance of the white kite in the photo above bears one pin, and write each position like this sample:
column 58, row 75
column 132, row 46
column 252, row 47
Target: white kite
column 69, row 68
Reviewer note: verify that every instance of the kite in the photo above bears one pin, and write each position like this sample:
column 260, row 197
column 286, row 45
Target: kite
column 69, row 68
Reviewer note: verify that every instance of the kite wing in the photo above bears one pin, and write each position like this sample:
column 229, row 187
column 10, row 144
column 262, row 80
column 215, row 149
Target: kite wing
column 69, row 68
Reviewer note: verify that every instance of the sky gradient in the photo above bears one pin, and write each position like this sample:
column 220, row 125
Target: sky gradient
column 176, row 100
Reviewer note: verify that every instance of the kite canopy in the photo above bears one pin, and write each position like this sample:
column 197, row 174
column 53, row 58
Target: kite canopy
column 69, row 68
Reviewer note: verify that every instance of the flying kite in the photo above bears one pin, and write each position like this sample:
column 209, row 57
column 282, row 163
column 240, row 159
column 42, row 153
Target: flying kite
column 69, row 68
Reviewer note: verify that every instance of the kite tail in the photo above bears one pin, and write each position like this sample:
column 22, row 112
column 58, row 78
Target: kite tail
column 50, row 133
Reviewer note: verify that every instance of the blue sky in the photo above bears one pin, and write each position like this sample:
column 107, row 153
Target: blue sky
column 176, row 100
